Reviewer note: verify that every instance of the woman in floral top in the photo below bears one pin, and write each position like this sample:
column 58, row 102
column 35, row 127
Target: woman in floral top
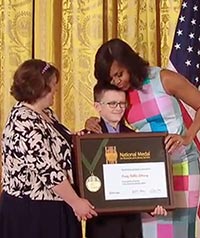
column 38, row 198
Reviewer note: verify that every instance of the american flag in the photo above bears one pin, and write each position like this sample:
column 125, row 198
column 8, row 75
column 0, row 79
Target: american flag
column 185, row 54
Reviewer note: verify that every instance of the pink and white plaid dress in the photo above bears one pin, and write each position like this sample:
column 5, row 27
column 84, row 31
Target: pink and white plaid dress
column 153, row 110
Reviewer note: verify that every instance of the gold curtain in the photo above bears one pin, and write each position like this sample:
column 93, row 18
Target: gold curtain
column 68, row 33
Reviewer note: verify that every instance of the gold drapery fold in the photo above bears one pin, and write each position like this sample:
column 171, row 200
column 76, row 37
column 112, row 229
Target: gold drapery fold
column 47, row 37
column 169, row 11
column 15, row 47
column 137, row 25
column 81, row 36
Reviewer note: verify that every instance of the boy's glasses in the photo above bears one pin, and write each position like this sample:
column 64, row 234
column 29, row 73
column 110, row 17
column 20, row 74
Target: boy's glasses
column 114, row 104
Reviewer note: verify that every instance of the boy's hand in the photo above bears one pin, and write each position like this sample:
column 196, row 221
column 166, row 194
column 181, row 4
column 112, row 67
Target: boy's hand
column 159, row 211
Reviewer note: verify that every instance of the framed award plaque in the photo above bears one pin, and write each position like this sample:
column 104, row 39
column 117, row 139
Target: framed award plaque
column 126, row 172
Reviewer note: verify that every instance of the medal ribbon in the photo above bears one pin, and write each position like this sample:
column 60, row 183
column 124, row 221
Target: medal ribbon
column 91, row 166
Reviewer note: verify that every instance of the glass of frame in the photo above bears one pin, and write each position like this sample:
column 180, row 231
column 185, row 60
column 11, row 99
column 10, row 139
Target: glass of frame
column 126, row 172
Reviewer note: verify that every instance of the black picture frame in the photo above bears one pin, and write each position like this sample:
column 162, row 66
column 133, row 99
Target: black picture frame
column 142, row 148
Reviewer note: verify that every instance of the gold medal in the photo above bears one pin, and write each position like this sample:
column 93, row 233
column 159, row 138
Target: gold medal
column 93, row 183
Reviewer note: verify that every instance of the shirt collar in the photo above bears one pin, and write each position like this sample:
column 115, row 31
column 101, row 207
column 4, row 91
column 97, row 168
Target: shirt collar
column 111, row 129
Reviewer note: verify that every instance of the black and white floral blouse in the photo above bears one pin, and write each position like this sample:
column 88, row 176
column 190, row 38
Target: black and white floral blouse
column 36, row 157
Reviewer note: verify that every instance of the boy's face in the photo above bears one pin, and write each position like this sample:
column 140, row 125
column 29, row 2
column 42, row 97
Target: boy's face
column 107, row 108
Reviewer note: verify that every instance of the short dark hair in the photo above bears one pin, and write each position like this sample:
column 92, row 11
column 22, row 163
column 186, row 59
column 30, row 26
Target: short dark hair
column 31, row 80
column 101, row 87
column 118, row 50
